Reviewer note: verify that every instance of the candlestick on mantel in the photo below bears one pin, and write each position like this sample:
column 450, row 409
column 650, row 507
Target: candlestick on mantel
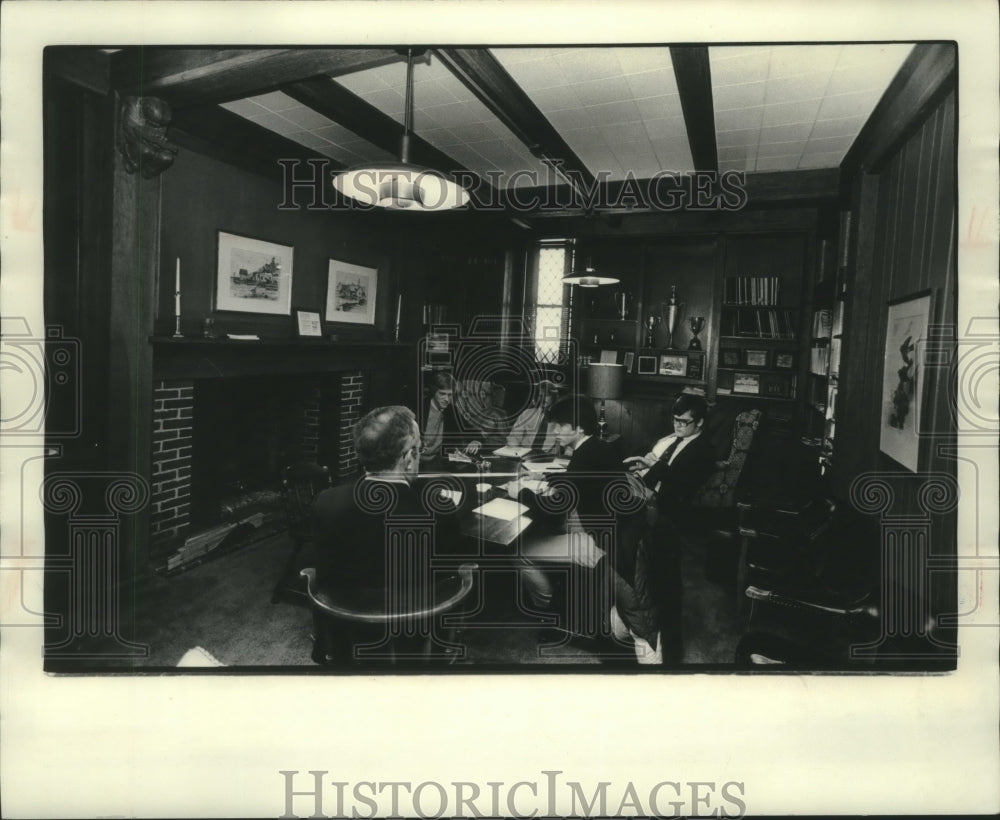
column 177, row 300
column 399, row 313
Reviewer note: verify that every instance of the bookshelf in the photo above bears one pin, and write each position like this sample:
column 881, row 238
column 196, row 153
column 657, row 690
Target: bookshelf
column 760, row 319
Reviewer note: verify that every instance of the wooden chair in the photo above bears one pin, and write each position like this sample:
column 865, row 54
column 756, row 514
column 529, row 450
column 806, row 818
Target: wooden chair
column 365, row 630
column 300, row 483
column 719, row 489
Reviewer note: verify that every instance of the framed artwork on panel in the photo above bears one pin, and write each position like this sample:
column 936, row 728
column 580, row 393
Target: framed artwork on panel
column 350, row 293
column 903, row 379
column 253, row 275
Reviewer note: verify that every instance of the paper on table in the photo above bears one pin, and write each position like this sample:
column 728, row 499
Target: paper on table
column 556, row 465
column 454, row 495
column 502, row 508
column 514, row 487
column 512, row 452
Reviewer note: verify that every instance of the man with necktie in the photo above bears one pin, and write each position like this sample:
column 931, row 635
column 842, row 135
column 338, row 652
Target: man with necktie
column 671, row 471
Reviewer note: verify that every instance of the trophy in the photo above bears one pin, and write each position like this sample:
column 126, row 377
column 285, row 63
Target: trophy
column 623, row 300
column 671, row 311
column 697, row 326
column 652, row 322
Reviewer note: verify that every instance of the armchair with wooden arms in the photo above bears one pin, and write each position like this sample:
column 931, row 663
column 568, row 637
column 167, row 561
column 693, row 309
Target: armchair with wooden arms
column 353, row 629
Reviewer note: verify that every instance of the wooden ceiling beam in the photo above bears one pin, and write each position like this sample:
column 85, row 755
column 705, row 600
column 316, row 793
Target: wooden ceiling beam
column 193, row 76
column 694, row 83
column 484, row 76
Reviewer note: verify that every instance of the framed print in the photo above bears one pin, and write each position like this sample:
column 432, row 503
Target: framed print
column 696, row 367
column 746, row 383
column 350, row 293
column 729, row 357
column 673, row 364
column 253, row 276
column 776, row 385
column 755, row 358
column 647, row 365
column 308, row 324
column 907, row 320
column 609, row 357
column 629, row 361
column 784, row 361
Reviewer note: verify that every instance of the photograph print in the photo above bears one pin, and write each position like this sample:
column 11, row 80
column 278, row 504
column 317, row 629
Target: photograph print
column 253, row 276
column 350, row 294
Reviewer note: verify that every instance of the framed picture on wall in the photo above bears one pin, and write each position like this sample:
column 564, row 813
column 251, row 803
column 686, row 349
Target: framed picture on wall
column 253, row 275
column 647, row 365
column 784, row 361
column 755, row 358
column 350, row 293
column 729, row 357
column 673, row 364
column 746, row 383
column 907, row 322
column 629, row 360
column 308, row 324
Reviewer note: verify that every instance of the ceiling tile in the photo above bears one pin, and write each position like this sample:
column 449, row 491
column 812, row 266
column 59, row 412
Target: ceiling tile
column 639, row 59
column 666, row 128
column 652, row 83
column 846, row 126
column 554, row 99
column 744, row 95
column 786, row 133
column 730, row 69
column 431, row 92
column 789, row 113
column 474, row 132
column 595, row 92
column 651, row 108
column 589, row 63
column 245, row 108
column 738, row 152
column 568, row 119
column 842, row 144
column 788, row 61
column 745, row 136
column 733, row 165
column 275, row 122
column 618, row 111
column 541, row 73
column 890, row 55
column 276, row 101
column 673, row 155
column 780, row 149
column 306, row 118
column 796, row 89
column 838, row 106
column 739, row 119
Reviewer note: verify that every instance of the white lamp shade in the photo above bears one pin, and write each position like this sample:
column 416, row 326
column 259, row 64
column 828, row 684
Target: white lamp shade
column 401, row 186
column 606, row 380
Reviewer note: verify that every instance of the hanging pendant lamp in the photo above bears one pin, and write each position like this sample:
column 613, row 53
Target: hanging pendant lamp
column 400, row 185
column 588, row 277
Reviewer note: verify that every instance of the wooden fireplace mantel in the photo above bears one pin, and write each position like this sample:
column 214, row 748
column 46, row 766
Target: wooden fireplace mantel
column 226, row 358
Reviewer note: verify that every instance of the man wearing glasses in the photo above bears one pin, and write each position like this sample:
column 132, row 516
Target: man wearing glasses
column 671, row 471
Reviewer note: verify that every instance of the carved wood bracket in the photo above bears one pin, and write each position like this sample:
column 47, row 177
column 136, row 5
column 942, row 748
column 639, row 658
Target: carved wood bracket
column 142, row 129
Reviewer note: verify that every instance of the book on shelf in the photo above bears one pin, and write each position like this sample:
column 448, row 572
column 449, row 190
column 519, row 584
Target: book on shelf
column 822, row 323
column 819, row 361
column 752, row 290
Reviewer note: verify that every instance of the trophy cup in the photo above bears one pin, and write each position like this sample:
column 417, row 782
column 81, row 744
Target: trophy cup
column 671, row 311
column 697, row 326
column 652, row 322
column 623, row 300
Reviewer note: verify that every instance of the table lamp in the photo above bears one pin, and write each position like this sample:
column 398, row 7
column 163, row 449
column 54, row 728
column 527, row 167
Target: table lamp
column 605, row 383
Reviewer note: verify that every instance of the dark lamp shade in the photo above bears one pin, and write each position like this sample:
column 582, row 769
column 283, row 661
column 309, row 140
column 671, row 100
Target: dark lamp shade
column 605, row 380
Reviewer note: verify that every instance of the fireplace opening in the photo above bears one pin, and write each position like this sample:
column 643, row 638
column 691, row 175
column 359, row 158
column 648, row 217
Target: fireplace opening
column 246, row 432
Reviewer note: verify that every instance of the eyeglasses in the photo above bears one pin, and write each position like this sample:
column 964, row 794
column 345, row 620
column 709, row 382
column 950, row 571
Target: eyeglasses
column 679, row 422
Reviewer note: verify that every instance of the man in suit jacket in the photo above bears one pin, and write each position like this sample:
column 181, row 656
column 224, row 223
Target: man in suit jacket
column 672, row 470
column 361, row 528
column 441, row 427
column 678, row 463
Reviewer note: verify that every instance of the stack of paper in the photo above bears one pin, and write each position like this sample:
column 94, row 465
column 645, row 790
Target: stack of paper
column 502, row 508
column 512, row 452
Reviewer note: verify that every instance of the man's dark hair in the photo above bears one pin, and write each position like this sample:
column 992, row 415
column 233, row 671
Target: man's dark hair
column 696, row 404
column 439, row 380
column 382, row 437
column 576, row 410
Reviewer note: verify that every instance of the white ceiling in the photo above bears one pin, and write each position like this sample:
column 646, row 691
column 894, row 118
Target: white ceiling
column 777, row 108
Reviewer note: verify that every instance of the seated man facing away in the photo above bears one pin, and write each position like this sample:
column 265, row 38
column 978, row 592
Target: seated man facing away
column 441, row 425
column 354, row 523
column 532, row 427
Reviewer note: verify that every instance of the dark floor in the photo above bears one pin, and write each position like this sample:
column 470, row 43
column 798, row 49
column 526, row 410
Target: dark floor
column 224, row 606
